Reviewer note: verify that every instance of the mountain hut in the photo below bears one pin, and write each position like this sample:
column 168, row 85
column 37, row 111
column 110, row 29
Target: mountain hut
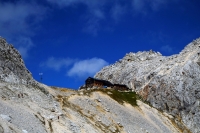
column 120, row 87
column 90, row 82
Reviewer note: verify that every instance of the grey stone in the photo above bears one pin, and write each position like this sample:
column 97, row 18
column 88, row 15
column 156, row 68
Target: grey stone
column 29, row 106
column 170, row 84
column 6, row 117
column 12, row 68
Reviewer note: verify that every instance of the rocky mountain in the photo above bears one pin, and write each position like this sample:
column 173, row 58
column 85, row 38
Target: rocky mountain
column 27, row 106
column 12, row 68
column 169, row 83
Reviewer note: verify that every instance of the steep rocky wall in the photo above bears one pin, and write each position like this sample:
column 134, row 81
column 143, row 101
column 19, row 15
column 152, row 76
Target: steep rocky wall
column 27, row 106
column 12, row 68
column 171, row 84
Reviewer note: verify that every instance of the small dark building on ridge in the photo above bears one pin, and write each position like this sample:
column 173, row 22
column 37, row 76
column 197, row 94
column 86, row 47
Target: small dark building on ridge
column 93, row 82
column 120, row 87
column 90, row 82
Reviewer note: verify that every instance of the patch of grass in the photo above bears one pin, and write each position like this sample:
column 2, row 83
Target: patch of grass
column 119, row 96
column 63, row 89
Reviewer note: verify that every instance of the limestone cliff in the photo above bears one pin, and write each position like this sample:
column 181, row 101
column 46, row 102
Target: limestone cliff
column 169, row 83
column 27, row 106
column 12, row 68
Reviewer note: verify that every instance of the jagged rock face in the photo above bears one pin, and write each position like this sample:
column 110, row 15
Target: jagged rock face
column 12, row 68
column 27, row 106
column 171, row 84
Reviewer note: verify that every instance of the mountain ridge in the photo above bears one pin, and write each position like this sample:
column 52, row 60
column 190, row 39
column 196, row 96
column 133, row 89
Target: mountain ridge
column 168, row 83
column 27, row 106
column 12, row 68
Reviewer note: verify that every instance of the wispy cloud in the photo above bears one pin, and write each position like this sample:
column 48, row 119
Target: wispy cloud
column 17, row 23
column 19, row 17
column 99, row 11
column 57, row 63
column 95, row 12
column 117, row 11
column 92, row 26
column 94, row 7
column 138, row 5
column 74, row 67
column 145, row 6
column 167, row 49
column 87, row 67
column 24, row 45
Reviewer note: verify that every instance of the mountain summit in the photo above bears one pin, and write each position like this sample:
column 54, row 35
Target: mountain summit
column 12, row 68
column 168, row 83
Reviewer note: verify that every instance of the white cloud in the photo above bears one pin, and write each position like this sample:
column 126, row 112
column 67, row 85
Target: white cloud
column 117, row 11
column 18, row 17
column 94, row 6
column 98, row 11
column 17, row 23
column 57, row 63
column 167, row 49
column 138, row 5
column 144, row 6
column 95, row 12
column 24, row 44
column 92, row 26
column 74, row 67
column 158, row 4
column 86, row 68
column 63, row 3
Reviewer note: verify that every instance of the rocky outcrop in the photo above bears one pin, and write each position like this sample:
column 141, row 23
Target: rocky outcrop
column 27, row 106
column 169, row 83
column 12, row 68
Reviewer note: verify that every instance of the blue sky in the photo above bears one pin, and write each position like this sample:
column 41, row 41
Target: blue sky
column 69, row 40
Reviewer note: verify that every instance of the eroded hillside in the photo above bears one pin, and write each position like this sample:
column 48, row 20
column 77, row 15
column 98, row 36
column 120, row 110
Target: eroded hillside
column 170, row 84
column 27, row 106
column 45, row 109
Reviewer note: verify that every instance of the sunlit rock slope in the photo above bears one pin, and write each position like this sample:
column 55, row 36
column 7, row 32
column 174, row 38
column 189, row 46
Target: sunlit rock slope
column 43, row 109
column 12, row 68
column 27, row 106
column 169, row 83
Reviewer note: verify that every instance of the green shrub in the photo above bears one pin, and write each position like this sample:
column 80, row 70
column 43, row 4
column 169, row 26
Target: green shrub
column 121, row 97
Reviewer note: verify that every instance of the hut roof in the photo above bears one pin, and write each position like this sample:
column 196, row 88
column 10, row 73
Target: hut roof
column 122, row 85
column 105, row 82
